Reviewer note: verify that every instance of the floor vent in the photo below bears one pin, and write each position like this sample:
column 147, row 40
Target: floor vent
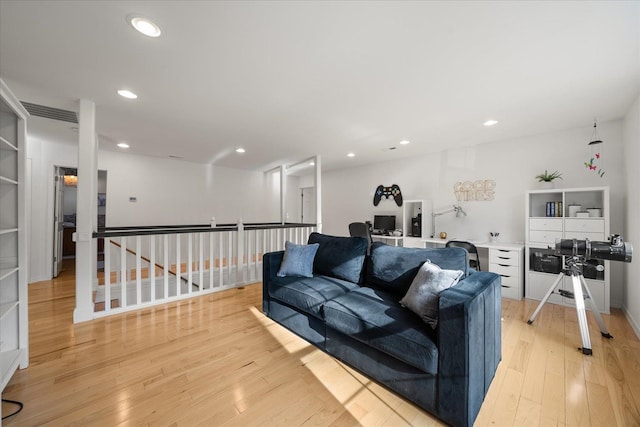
column 51, row 113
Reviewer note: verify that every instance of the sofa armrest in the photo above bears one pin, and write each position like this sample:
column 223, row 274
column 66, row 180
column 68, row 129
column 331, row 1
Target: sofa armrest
column 270, row 266
column 469, row 345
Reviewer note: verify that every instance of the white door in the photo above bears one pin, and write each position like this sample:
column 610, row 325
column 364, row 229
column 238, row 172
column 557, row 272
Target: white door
column 58, row 222
column 308, row 211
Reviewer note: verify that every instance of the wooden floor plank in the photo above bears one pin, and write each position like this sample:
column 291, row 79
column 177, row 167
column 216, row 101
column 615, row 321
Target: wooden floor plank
column 217, row 360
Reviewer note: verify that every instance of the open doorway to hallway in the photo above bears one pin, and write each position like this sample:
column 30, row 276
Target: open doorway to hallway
column 308, row 205
column 64, row 213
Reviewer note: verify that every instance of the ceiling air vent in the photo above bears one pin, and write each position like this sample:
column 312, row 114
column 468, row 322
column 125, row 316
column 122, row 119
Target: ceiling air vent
column 51, row 113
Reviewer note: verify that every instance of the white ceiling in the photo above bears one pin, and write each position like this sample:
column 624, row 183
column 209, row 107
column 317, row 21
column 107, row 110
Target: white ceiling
column 288, row 80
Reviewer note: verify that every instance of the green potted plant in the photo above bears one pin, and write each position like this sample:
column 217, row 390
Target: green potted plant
column 547, row 178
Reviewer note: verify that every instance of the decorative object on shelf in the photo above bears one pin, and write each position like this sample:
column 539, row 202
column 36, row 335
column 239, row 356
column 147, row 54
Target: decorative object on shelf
column 493, row 236
column 547, row 178
column 386, row 192
column 573, row 209
column 456, row 208
column 481, row 190
column 443, row 234
column 595, row 152
column 594, row 212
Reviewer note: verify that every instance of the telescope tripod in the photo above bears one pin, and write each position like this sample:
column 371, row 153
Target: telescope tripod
column 574, row 269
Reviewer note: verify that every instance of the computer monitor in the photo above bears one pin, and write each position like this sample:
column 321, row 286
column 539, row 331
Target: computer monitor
column 384, row 223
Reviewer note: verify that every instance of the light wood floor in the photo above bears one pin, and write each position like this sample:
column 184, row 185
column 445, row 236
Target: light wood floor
column 216, row 360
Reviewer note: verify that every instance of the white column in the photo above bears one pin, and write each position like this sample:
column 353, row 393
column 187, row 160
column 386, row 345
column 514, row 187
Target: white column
column 317, row 180
column 283, row 194
column 86, row 211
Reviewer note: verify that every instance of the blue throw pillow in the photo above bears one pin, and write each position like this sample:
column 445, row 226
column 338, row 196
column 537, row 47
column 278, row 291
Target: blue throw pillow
column 340, row 257
column 298, row 260
column 424, row 292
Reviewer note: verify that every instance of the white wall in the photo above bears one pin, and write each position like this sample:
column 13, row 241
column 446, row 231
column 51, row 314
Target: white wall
column 631, row 288
column 512, row 164
column 167, row 191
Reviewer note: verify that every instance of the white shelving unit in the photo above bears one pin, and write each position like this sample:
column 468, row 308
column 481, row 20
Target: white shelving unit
column 411, row 209
column 14, row 333
column 541, row 264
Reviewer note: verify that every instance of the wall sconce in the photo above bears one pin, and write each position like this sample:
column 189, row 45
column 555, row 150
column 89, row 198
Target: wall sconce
column 456, row 208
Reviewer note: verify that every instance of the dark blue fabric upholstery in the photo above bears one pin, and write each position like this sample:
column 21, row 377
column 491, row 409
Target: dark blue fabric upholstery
column 303, row 324
column 375, row 318
column 340, row 257
column 412, row 383
column 392, row 268
column 309, row 293
column 469, row 340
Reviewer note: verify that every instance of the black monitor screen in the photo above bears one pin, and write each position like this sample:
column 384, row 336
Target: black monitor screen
column 384, row 222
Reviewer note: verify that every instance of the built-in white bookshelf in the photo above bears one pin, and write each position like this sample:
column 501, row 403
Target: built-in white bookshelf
column 14, row 333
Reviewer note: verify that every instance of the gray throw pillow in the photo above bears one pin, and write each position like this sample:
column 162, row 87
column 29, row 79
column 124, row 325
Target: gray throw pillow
column 298, row 260
column 424, row 292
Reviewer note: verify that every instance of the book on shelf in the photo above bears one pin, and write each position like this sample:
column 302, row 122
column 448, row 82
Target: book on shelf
column 554, row 209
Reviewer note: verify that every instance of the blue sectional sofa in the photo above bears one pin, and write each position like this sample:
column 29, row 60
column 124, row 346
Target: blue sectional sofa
column 350, row 309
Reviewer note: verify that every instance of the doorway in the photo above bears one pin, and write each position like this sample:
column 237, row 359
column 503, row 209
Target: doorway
column 308, row 208
column 64, row 213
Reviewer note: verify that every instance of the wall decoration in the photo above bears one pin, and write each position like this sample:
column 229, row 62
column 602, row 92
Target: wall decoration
column 386, row 192
column 482, row 190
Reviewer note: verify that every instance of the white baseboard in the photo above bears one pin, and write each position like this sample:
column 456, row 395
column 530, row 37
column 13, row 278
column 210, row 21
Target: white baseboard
column 634, row 324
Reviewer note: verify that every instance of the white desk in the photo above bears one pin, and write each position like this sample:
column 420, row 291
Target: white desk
column 504, row 259
column 486, row 245
column 395, row 240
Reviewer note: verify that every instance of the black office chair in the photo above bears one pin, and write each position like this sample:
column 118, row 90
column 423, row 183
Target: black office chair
column 471, row 248
column 361, row 229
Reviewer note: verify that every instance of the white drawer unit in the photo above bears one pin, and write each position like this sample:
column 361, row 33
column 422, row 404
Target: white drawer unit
column 539, row 236
column 584, row 225
column 582, row 235
column 507, row 262
column 548, row 224
column 587, row 228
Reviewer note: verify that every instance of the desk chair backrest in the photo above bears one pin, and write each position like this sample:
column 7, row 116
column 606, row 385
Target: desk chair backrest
column 360, row 229
column 471, row 248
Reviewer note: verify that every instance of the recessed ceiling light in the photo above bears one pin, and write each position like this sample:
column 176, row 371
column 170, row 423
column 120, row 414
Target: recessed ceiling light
column 144, row 25
column 312, row 164
column 351, row 155
column 127, row 94
column 123, row 145
column 490, row 122
column 240, row 150
column 405, row 142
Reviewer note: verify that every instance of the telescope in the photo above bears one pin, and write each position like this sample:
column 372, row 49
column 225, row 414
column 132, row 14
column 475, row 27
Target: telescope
column 614, row 250
column 576, row 253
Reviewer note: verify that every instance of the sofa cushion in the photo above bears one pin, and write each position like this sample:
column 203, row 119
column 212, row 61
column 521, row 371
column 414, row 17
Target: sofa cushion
column 393, row 268
column 297, row 260
column 376, row 318
column 340, row 257
column 424, row 292
column 308, row 294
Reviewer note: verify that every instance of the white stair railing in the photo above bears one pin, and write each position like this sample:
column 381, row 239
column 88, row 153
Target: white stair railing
column 147, row 266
